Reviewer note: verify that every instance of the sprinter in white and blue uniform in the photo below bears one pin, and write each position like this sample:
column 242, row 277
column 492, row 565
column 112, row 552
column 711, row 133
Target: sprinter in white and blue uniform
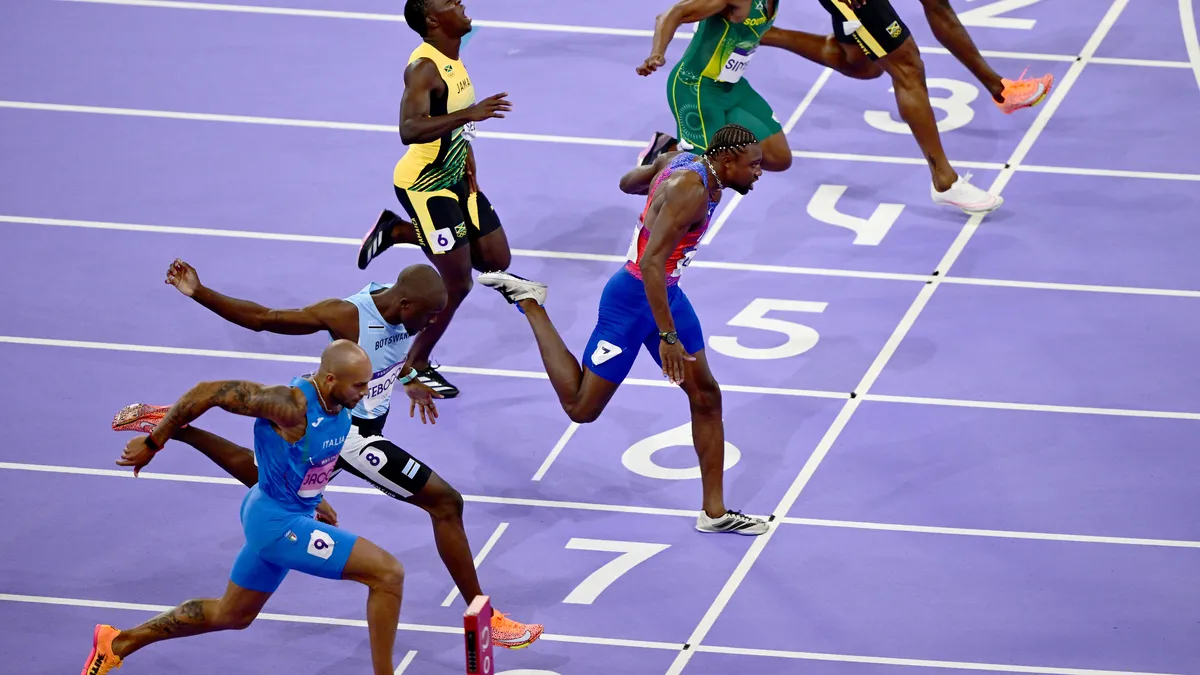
column 298, row 433
column 382, row 319
column 368, row 454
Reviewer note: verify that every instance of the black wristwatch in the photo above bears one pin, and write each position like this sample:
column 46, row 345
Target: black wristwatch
column 669, row 338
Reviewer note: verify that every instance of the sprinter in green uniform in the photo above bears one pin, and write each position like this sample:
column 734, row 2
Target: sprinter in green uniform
column 708, row 88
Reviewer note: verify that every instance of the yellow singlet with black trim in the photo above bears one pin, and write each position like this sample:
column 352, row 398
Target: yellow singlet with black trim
column 436, row 165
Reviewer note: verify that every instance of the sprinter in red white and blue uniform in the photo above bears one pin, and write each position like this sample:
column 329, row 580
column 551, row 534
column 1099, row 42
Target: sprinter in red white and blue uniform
column 643, row 306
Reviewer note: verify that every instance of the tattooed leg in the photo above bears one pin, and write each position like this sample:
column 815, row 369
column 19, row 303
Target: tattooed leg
column 235, row 611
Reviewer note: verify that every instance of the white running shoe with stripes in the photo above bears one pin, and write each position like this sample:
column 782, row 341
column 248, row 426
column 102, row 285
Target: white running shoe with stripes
column 733, row 521
column 515, row 288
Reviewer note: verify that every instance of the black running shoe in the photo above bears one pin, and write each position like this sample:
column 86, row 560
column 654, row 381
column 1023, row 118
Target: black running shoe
column 658, row 145
column 378, row 240
column 434, row 380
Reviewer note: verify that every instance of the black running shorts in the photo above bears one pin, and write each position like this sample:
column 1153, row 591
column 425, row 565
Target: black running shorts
column 875, row 27
column 448, row 219
column 382, row 463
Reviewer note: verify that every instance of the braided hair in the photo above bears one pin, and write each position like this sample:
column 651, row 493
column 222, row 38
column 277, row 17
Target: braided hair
column 732, row 137
column 414, row 16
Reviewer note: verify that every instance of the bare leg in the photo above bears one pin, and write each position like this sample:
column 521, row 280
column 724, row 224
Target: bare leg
column 231, row 457
column 445, row 507
column 490, row 253
column 234, row 611
column 384, row 578
column 455, row 268
column 912, row 100
column 582, row 393
column 708, row 431
column 950, row 32
column 824, row 50
column 777, row 154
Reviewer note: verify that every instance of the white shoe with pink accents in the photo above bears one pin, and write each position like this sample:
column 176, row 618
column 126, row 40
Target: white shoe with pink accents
column 967, row 197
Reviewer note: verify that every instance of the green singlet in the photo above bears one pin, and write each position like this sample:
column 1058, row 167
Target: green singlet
column 707, row 89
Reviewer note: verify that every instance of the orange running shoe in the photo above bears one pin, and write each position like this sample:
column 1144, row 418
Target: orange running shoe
column 1023, row 93
column 141, row 417
column 513, row 634
column 102, row 659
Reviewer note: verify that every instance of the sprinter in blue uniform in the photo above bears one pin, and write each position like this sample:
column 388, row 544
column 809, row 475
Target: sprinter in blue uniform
column 383, row 319
column 298, row 434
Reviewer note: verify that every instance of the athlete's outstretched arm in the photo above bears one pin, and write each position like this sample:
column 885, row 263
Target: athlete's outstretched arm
column 338, row 317
column 685, row 204
column 639, row 179
column 688, row 11
column 421, row 79
column 280, row 404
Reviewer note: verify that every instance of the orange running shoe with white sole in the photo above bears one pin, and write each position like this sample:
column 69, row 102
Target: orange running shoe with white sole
column 1023, row 93
column 102, row 659
column 141, row 417
column 513, row 634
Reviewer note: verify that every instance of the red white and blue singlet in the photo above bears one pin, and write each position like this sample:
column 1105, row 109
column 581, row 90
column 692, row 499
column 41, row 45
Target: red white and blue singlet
column 625, row 321
column 684, row 252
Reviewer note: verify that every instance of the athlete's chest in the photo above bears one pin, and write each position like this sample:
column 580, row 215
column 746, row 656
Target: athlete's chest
column 749, row 31
column 383, row 343
column 323, row 437
column 460, row 93
column 762, row 15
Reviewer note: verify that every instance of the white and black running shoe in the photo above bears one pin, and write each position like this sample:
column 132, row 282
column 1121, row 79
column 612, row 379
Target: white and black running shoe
column 431, row 378
column 514, row 288
column 733, row 521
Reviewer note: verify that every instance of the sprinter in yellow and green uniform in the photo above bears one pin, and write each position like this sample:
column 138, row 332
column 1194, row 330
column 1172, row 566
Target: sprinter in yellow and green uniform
column 435, row 181
column 708, row 88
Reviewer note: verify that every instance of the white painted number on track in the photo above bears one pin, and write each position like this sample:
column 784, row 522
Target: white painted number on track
column 632, row 553
column 639, row 458
column 957, row 107
column 989, row 16
column 800, row 338
column 867, row 231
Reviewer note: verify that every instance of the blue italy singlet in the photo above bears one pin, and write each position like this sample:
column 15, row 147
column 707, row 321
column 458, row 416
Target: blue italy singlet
column 295, row 474
column 386, row 345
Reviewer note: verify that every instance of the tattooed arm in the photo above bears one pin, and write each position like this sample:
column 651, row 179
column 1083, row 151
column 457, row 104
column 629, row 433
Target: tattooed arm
column 282, row 405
